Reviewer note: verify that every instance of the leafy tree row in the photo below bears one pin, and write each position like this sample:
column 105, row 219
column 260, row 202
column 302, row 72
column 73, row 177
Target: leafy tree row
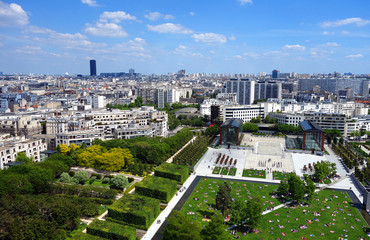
column 149, row 150
column 296, row 189
column 193, row 152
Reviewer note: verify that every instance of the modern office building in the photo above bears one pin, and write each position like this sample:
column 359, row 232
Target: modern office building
column 231, row 132
column 92, row 68
column 313, row 136
column 275, row 74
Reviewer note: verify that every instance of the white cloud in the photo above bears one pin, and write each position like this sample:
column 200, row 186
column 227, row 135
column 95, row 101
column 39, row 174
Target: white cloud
column 276, row 53
column 243, row 2
column 318, row 52
column 116, row 17
column 169, row 28
column 91, row 3
column 357, row 21
column 251, row 54
column 106, row 30
column 345, row 32
column 153, row 16
column 183, row 50
column 66, row 40
column 209, row 38
column 12, row 15
column 29, row 50
column 191, row 13
column 354, row 56
column 331, row 44
column 328, row 33
column 232, row 38
column 294, row 48
column 135, row 48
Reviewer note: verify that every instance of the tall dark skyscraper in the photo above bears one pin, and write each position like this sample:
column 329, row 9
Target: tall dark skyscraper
column 275, row 74
column 92, row 68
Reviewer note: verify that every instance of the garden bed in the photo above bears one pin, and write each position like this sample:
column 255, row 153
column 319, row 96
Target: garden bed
column 254, row 173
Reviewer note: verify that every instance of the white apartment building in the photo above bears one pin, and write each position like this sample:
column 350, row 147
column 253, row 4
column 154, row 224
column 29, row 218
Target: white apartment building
column 96, row 101
column 244, row 112
column 67, row 123
column 78, row 137
column 167, row 96
column 287, row 118
column 108, row 121
column 10, row 149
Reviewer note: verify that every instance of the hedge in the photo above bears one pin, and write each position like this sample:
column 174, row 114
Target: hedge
column 135, row 210
column 173, row 171
column 111, row 230
column 157, row 187
column 83, row 191
column 84, row 236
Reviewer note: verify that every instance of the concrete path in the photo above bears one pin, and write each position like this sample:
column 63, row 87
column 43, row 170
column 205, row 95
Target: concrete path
column 166, row 212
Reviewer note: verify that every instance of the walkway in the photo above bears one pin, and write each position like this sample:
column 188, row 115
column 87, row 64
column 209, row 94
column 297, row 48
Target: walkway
column 170, row 160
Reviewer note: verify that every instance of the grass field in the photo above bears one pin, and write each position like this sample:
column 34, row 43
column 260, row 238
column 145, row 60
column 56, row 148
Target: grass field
column 224, row 170
column 232, row 171
column 330, row 216
column 203, row 197
column 254, row 173
column 216, row 170
column 280, row 175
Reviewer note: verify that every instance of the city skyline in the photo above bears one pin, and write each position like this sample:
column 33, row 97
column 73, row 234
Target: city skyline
column 235, row 36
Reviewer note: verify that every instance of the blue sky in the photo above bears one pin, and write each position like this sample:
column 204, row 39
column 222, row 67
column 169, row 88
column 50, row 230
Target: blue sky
column 161, row 36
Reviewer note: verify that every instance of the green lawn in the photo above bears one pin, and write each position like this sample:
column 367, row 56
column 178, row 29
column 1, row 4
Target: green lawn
column 280, row 175
column 254, row 173
column 224, row 170
column 330, row 213
column 98, row 183
column 336, row 219
column 232, row 171
column 216, row 170
column 203, row 197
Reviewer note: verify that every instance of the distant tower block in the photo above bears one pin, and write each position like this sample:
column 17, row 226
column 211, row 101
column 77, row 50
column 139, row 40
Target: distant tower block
column 92, row 68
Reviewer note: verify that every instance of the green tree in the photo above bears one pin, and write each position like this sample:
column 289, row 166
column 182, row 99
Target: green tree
column 81, row 176
column 238, row 212
column 119, row 181
column 213, row 131
column 341, row 140
column 254, row 212
column 181, row 227
column 215, row 230
column 324, row 169
column 296, row 187
column 310, row 189
column 114, row 160
column 22, row 157
column 283, row 188
column 250, row 127
column 223, row 198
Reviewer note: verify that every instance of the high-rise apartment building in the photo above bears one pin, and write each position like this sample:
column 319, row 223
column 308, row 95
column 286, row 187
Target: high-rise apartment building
column 244, row 88
column 266, row 90
column 92, row 67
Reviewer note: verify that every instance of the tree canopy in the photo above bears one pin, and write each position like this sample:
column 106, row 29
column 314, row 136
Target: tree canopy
column 223, row 198
column 181, row 227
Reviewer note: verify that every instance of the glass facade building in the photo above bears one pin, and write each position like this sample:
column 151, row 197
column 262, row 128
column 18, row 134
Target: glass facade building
column 231, row 132
column 313, row 136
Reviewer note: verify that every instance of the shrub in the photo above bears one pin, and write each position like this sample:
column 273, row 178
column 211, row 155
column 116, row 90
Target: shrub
column 81, row 177
column 98, row 176
column 172, row 171
column 135, row 210
column 84, row 236
column 157, row 187
column 106, row 180
column 83, row 191
column 65, row 178
column 71, row 173
column 111, row 230
column 109, row 176
column 131, row 179
column 119, row 181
